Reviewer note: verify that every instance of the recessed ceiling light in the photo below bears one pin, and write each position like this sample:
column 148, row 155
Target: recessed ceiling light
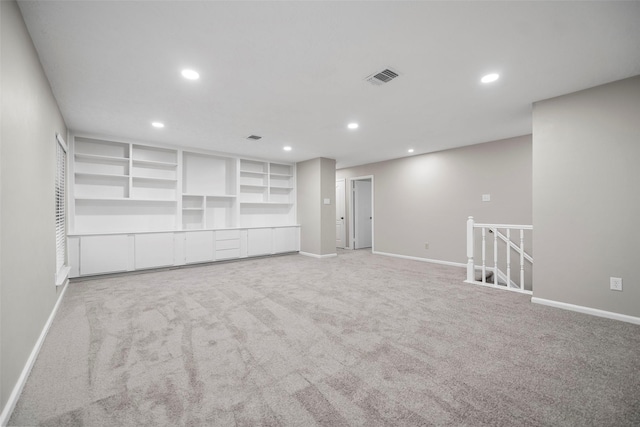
column 287, row 148
column 352, row 126
column 410, row 150
column 190, row 74
column 490, row 78
column 157, row 124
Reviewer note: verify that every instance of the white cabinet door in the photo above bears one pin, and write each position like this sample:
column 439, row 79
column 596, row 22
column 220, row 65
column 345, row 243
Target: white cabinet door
column 104, row 254
column 244, row 249
column 178, row 248
column 285, row 239
column 199, row 246
column 260, row 241
column 154, row 250
column 73, row 250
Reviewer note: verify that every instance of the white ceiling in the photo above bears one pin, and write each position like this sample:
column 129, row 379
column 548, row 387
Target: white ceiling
column 293, row 72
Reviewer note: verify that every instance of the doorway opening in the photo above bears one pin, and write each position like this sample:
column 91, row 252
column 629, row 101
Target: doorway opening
column 361, row 220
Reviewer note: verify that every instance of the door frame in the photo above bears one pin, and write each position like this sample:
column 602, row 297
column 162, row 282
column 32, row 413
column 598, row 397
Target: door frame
column 352, row 228
column 345, row 240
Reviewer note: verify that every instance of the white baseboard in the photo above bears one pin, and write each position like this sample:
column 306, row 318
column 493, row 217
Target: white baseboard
column 17, row 389
column 587, row 310
column 316, row 255
column 414, row 258
column 501, row 288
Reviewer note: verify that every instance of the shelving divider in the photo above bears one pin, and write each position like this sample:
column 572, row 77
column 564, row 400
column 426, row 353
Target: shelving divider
column 130, row 170
column 179, row 198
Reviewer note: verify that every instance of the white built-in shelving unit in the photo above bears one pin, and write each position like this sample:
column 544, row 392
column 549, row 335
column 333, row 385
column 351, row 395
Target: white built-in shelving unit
column 137, row 206
column 266, row 193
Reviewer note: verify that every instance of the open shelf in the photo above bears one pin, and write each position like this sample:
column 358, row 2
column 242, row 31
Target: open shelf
column 130, row 187
column 145, row 154
column 101, row 175
column 278, row 169
column 100, row 148
column 106, row 215
column 148, row 178
column 266, row 203
column 208, row 174
column 253, row 167
column 222, row 196
column 154, row 163
column 126, row 199
column 99, row 158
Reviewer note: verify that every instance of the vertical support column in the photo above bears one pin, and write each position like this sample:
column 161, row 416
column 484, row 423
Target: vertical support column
column 179, row 191
column 470, row 268
column 522, row 259
column 508, row 257
column 129, row 172
column 484, row 255
column 495, row 257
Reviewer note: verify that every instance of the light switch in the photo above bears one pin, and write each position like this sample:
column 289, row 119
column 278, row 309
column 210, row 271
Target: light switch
column 486, row 197
column 327, row 201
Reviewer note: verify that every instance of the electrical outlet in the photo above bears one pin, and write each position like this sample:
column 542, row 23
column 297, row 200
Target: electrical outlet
column 426, row 246
column 615, row 283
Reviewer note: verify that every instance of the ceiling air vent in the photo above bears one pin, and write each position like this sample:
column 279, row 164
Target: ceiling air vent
column 254, row 137
column 382, row 77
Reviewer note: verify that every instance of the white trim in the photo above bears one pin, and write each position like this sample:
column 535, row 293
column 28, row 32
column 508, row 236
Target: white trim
column 63, row 275
column 17, row 389
column 317, row 256
column 502, row 288
column 587, row 310
column 345, row 218
column 62, row 143
column 414, row 258
column 511, row 226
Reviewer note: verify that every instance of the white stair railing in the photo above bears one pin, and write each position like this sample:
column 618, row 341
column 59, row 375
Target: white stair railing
column 492, row 275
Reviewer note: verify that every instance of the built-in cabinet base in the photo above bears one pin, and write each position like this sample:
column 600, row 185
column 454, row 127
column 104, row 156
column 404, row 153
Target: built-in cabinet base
column 113, row 253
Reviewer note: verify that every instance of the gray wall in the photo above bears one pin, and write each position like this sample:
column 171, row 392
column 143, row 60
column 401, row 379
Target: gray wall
column 586, row 181
column 427, row 198
column 315, row 181
column 308, row 194
column 328, row 212
column 30, row 120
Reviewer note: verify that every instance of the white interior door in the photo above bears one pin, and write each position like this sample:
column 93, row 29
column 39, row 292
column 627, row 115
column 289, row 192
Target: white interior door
column 341, row 232
column 362, row 214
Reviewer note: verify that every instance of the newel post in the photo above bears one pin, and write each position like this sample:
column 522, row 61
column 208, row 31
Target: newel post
column 470, row 273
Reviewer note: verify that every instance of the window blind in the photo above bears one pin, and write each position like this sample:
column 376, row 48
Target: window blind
column 61, row 214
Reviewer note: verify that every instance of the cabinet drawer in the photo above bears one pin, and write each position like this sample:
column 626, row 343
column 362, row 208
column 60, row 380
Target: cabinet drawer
column 227, row 234
column 228, row 244
column 227, row 254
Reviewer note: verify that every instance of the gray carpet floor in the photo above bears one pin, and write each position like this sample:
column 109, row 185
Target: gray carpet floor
column 356, row 340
